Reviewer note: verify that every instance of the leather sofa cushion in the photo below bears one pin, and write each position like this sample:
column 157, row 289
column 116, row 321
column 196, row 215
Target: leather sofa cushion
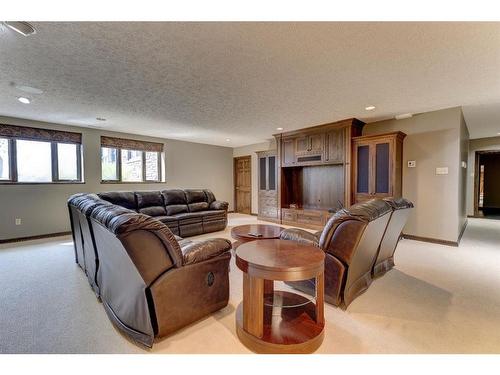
column 166, row 219
column 195, row 196
column 198, row 206
column 174, row 196
column 191, row 217
column 199, row 251
column 176, row 209
column 121, row 198
column 150, row 203
column 210, row 196
column 153, row 211
column 212, row 213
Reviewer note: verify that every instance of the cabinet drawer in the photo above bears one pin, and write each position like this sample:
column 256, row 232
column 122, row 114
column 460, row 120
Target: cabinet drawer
column 288, row 215
column 310, row 217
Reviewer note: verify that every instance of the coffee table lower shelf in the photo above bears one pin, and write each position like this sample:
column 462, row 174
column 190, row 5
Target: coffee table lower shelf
column 290, row 330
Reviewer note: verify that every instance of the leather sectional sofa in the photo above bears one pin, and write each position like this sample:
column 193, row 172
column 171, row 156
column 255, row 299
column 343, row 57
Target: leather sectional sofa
column 185, row 212
column 359, row 243
column 151, row 282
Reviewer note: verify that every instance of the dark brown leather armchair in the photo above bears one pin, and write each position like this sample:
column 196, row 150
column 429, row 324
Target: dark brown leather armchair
column 151, row 282
column 401, row 209
column 350, row 239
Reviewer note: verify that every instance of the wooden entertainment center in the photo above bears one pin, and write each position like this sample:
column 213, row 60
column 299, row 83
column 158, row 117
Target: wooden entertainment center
column 313, row 172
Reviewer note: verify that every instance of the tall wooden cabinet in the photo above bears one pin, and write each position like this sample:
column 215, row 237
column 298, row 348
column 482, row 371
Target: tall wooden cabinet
column 268, row 185
column 377, row 166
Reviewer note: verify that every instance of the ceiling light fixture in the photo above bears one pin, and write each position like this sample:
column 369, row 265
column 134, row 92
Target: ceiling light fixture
column 228, row 139
column 24, row 100
column 279, row 128
column 100, row 119
column 403, row 116
column 21, row 27
column 370, row 108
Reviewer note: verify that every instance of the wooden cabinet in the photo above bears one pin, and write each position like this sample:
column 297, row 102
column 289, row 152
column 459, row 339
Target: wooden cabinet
column 377, row 166
column 268, row 185
column 314, row 177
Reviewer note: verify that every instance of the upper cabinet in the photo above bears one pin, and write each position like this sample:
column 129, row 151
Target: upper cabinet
column 324, row 144
column 377, row 166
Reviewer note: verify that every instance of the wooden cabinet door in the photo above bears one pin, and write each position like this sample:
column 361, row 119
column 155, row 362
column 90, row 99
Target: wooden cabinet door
column 334, row 146
column 288, row 152
column 382, row 159
column 316, row 143
column 362, row 171
column 302, row 145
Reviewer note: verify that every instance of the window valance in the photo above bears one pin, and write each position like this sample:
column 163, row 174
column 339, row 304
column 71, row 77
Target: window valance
column 131, row 144
column 39, row 134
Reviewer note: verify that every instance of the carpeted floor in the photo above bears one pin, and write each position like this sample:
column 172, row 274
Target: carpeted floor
column 438, row 299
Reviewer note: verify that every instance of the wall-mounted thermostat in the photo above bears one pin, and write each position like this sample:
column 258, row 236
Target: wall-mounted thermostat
column 412, row 163
column 442, row 170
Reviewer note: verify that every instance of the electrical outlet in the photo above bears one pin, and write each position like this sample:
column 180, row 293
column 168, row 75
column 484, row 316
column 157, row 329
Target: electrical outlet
column 19, row 221
column 412, row 163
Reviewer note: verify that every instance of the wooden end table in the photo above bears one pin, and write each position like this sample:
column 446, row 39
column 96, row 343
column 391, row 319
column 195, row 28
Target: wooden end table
column 269, row 321
column 243, row 233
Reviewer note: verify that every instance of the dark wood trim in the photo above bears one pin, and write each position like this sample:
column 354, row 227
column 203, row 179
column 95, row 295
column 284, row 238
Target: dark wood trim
column 430, row 240
column 29, row 238
column 476, row 183
column 111, row 182
column 321, row 127
column 254, row 214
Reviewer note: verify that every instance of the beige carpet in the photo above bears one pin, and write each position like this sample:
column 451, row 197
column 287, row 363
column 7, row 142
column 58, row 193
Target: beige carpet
column 438, row 299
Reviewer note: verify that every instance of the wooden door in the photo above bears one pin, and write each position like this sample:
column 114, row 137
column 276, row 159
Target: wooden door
column 288, row 151
column 243, row 184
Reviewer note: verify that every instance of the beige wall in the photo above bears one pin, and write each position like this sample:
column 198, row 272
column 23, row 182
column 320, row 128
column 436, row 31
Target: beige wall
column 482, row 144
column 433, row 140
column 251, row 150
column 42, row 208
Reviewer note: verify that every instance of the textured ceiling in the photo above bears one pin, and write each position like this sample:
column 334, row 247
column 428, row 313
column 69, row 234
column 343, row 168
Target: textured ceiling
column 205, row 82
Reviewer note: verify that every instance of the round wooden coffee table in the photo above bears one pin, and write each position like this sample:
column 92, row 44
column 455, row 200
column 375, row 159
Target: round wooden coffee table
column 269, row 321
column 252, row 232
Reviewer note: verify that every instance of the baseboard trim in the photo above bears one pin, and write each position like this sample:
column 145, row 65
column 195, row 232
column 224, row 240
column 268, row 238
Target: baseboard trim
column 39, row 237
column 254, row 214
column 430, row 240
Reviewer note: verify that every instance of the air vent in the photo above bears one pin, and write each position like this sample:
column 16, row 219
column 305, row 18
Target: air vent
column 303, row 159
column 23, row 28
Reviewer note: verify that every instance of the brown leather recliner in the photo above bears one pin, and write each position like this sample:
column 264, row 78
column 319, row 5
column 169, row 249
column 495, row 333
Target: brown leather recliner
column 401, row 209
column 151, row 282
column 350, row 239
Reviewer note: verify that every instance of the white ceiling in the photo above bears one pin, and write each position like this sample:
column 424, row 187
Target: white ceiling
column 205, row 82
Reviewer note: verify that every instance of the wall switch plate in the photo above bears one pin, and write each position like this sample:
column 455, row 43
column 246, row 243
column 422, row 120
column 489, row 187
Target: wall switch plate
column 442, row 170
column 19, row 221
column 464, row 164
column 412, row 163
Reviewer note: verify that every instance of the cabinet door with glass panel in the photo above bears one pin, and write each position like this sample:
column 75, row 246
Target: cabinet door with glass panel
column 268, row 197
column 377, row 162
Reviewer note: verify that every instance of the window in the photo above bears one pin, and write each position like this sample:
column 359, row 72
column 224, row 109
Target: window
column 33, row 155
column 130, row 161
column 4, row 159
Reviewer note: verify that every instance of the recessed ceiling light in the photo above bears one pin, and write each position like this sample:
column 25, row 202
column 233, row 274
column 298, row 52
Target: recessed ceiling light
column 21, row 27
column 24, row 100
column 498, row 133
column 403, row 116
column 370, row 108
column 279, row 128
column 228, row 139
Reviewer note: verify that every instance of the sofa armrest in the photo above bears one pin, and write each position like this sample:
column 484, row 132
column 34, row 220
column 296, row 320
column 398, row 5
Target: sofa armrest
column 299, row 235
column 219, row 205
column 199, row 251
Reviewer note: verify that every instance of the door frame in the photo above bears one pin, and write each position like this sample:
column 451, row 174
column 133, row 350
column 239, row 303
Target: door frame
column 235, row 159
column 477, row 174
